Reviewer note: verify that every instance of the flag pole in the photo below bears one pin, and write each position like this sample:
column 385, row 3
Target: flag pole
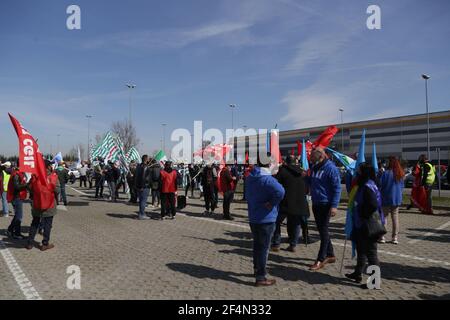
column 343, row 255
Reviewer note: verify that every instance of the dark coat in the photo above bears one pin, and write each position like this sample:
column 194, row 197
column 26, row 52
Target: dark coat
column 294, row 201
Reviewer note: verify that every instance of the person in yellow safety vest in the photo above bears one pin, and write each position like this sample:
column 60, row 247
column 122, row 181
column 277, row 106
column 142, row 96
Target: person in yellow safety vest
column 5, row 175
column 428, row 177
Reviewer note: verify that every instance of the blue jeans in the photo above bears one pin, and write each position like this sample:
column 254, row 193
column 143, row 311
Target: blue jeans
column 62, row 188
column 143, row 196
column 5, row 203
column 322, row 217
column 293, row 229
column 16, row 222
column 262, row 236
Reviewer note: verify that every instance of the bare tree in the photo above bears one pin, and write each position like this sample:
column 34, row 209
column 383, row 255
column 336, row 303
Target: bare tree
column 126, row 132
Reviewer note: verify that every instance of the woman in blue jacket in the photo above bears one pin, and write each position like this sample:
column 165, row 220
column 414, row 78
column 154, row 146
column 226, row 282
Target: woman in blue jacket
column 391, row 188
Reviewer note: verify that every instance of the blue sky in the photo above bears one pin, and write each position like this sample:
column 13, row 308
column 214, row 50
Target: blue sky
column 289, row 62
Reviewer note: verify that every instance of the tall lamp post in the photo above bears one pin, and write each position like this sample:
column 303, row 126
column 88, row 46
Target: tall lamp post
column 89, row 137
column 426, row 78
column 232, row 106
column 131, row 87
column 342, row 129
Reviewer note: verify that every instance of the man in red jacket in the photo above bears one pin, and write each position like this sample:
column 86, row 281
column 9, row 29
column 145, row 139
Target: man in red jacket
column 168, row 190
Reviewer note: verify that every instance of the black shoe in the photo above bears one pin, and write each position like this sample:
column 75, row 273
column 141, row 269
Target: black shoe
column 19, row 236
column 9, row 234
column 228, row 218
column 409, row 207
column 354, row 276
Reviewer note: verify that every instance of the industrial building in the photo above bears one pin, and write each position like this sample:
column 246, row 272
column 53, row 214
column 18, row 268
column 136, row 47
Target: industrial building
column 404, row 137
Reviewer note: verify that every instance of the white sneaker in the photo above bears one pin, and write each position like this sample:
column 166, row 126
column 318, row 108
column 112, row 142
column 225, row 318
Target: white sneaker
column 382, row 240
column 395, row 241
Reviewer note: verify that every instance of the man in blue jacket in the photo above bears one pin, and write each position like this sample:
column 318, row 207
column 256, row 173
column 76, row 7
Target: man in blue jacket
column 263, row 193
column 325, row 186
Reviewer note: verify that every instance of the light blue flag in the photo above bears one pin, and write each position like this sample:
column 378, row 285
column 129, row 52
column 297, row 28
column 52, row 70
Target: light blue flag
column 346, row 161
column 374, row 157
column 268, row 141
column 58, row 158
column 305, row 164
column 361, row 151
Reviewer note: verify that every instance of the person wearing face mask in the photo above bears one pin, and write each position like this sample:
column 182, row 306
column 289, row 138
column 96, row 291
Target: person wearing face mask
column 325, row 188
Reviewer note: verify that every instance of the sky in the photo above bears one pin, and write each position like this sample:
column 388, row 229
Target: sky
column 287, row 62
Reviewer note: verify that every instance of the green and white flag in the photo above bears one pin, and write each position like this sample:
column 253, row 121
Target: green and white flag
column 161, row 157
column 133, row 155
column 110, row 149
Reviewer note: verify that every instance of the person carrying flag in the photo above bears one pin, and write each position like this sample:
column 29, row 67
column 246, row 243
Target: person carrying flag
column 367, row 203
column 325, row 189
column 44, row 217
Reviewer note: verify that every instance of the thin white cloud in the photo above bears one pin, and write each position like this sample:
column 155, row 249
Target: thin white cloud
column 311, row 107
column 166, row 39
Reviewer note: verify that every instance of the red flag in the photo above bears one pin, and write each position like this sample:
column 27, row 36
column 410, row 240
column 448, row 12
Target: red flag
column 275, row 146
column 419, row 194
column 309, row 147
column 325, row 138
column 30, row 158
column 246, row 158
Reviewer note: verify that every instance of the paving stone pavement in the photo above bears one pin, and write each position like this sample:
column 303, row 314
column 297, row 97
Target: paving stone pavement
column 197, row 257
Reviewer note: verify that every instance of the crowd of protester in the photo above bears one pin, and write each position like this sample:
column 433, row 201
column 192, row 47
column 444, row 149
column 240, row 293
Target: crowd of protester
column 274, row 193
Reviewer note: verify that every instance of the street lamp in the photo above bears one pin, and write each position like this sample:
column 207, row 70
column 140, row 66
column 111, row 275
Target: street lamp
column 130, row 86
column 58, row 135
column 232, row 106
column 342, row 129
column 426, row 78
column 89, row 136
column 245, row 129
